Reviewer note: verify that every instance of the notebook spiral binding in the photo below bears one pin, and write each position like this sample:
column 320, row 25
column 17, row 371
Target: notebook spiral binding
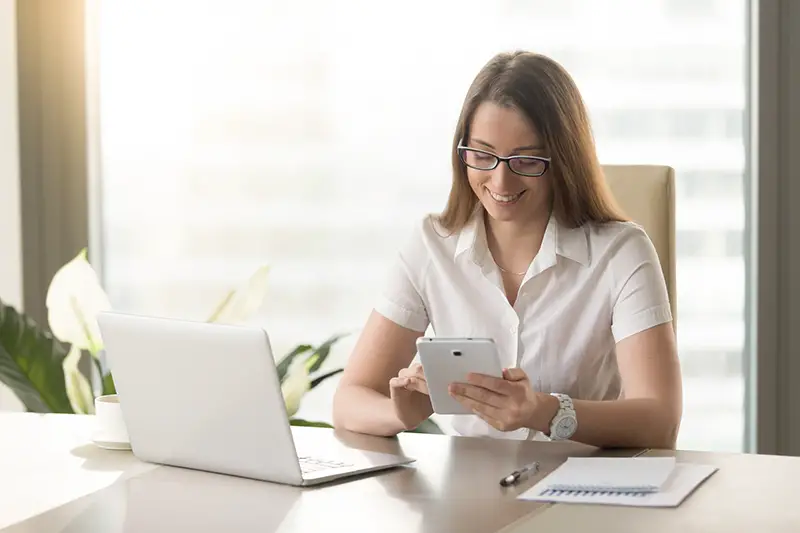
column 590, row 490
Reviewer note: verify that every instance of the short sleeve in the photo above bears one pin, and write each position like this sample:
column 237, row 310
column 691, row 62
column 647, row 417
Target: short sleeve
column 401, row 299
column 640, row 298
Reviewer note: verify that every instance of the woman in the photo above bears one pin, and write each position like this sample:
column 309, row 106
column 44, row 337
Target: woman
column 532, row 252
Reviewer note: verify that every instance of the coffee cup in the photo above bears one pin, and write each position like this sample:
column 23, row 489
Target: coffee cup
column 110, row 431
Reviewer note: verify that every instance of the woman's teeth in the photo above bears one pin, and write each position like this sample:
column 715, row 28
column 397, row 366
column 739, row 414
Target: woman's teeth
column 505, row 199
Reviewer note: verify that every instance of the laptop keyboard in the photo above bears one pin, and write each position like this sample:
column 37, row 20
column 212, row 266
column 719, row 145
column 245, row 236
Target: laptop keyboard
column 313, row 464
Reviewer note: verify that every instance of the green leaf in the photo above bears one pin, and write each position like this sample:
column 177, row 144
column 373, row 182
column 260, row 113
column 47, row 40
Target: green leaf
column 107, row 382
column 427, row 426
column 286, row 362
column 322, row 353
column 308, row 423
column 319, row 379
column 31, row 362
column 108, row 385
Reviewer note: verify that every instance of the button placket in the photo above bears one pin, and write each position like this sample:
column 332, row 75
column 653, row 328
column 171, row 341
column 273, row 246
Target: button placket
column 514, row 330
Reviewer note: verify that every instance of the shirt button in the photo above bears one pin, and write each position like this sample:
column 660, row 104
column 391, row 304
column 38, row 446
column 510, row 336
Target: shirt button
column 513, row 329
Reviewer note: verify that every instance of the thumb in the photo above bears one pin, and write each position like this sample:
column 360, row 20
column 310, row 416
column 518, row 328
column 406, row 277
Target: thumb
column 514, row 374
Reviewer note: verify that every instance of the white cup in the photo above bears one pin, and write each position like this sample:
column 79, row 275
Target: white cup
column 110, row 430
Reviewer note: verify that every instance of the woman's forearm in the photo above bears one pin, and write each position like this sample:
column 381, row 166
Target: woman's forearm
column 364, row 410
column 629, row 423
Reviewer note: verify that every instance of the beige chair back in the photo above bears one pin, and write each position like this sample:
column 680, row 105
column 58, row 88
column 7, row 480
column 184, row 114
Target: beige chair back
column 646, row 194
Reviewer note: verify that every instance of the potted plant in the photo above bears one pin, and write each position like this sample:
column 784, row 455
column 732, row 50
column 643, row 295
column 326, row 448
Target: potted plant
column 41, row 366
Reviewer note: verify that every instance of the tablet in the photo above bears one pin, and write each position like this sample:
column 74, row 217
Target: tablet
column 448, row 360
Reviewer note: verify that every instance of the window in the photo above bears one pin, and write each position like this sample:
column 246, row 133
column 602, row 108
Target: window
column 268, row 133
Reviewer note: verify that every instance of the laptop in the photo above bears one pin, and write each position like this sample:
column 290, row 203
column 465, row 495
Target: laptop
column 207, row 396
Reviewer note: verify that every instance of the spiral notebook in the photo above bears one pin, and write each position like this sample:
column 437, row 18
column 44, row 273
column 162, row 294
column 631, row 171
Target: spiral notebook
column 637, row 481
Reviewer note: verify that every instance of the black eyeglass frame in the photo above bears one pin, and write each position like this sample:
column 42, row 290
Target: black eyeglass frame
column 498, row 159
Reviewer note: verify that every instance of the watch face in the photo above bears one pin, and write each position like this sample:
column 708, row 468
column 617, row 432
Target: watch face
column 566, row 427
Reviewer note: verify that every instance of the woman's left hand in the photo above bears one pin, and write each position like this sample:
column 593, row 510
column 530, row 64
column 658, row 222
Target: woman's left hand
column 507, row 403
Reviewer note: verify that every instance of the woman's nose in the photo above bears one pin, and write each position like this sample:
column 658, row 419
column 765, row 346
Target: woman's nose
column 503, row 179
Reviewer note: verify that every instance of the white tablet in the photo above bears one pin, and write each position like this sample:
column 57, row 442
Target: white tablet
column 449, row 360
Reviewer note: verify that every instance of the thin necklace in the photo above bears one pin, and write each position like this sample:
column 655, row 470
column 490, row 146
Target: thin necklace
column 512, row 273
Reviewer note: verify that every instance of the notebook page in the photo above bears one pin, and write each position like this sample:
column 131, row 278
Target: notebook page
column 628, row 474
column 685, row 479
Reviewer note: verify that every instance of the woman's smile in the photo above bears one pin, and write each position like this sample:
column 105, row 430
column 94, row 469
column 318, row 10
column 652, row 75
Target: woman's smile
column 505, row 199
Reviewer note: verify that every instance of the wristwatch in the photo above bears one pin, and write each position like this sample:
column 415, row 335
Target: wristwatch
column 565, row 423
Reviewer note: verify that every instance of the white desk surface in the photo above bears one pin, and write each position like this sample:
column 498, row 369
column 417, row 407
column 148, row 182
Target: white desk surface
column 52, row 478
column 749, row 493
column 49, row 460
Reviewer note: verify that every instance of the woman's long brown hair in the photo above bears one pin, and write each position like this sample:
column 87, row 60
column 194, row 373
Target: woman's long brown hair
column 545, row 93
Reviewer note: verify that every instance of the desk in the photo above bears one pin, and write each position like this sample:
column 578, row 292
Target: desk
column 748, row 493
column 49, row 460
column 53, row 479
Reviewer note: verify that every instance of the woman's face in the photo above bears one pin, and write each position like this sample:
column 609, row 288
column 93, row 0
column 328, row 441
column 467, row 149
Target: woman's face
column 505, row 195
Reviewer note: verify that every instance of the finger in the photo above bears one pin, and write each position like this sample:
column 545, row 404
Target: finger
column 514, row 374
column 489, row 414
column 410, row 372
column 494, row 422
column 417, row 384
column 497, row 385
column 478, row 394
column 418, row 371
column 479, row 408
column 398, row 382
column 409, row 383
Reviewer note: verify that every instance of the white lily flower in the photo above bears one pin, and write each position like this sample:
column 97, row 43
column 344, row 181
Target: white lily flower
column 239, row 305
column 295, row 385
column 74, row 299
column 79, row 391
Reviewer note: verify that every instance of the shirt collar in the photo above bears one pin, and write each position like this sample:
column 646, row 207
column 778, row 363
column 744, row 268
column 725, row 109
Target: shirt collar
column 571, row 243
column 472, row 238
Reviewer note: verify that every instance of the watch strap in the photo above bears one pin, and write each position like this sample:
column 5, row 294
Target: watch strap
column 565, row 409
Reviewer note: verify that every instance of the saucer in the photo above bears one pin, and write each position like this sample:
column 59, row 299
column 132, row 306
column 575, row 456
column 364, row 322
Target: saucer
column 110, row 445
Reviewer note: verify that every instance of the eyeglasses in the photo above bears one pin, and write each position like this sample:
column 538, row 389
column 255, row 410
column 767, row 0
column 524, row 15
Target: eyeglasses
column 524, row 165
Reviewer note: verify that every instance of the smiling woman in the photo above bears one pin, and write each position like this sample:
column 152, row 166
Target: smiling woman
column 270, row 133
column 530, row 108
column 531, row 252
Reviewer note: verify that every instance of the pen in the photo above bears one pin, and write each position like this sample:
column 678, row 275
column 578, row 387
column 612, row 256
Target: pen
column 516, row 475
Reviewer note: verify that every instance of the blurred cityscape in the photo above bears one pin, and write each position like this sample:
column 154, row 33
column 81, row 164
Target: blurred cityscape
column 311, row 135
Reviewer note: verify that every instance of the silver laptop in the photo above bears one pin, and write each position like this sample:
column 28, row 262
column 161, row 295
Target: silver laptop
column 207, row 397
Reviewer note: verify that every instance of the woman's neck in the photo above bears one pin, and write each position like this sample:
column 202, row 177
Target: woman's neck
column 514, row 245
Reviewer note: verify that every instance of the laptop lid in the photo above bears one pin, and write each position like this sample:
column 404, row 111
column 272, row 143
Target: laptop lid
column 200, row 395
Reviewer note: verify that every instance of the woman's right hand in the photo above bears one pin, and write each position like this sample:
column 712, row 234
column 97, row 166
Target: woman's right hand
column 409, row 393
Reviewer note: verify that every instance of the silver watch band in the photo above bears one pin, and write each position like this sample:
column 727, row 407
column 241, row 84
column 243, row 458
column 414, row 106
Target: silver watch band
column 565, row 413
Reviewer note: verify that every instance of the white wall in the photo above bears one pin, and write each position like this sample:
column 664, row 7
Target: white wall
column 10, row 227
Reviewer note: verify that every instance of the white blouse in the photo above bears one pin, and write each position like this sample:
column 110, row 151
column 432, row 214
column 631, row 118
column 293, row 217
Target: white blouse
column 587, row 289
